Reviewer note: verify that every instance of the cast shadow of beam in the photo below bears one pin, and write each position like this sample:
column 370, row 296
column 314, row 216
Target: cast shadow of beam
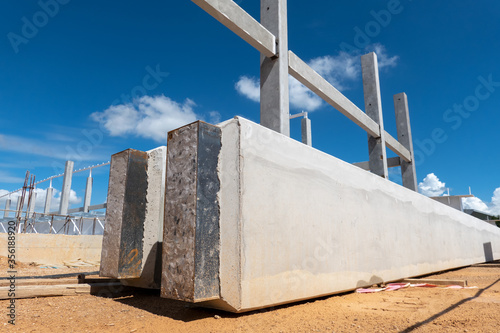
column 449, row 309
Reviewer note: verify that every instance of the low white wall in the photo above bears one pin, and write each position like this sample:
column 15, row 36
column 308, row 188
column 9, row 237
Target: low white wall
column 297, row 223
column 53, row 249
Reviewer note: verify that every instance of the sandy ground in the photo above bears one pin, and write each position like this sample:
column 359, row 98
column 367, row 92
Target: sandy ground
column 407, row 310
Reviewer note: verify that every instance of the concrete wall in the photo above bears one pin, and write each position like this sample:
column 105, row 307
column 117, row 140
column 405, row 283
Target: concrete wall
column 54, row 249
column 297, row 223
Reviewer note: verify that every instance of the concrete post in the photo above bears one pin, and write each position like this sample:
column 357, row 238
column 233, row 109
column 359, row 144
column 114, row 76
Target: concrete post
column 31, row 208
column 306, row 131
column 408, row 171
column 373, row 106
column 66, row 188
column 48, row 198
column 274, row 96
column 19, row 209
column 88, row 193
column 7, row 208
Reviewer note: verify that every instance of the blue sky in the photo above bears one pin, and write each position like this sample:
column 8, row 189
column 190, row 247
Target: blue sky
column 82, row 80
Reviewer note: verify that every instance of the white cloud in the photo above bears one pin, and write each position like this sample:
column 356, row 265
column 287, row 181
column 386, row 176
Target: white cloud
column 384, row 60
column 214, row 117
column 492, row 208
column 301, row 97
column 431, row 186
column 248, row 87
column 147, row 117
column 475, row 203
column 40, row 199
column 339, row 70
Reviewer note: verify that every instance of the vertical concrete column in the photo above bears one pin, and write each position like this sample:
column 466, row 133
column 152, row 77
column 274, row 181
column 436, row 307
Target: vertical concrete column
column 7, row 208
column 404, row 137
column 373, row 107
column 19, row 208
column 31, row 208
column 48, row 198
column 122, row 255
column 66, row 188
column 88, row 193
column 274, row 95
column 191, row 235
column 306, row 131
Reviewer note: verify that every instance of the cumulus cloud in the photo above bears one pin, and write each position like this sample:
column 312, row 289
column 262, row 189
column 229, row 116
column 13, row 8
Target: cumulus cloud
column 340, row 70
column 384, row 60
column 147, row 117
column 248, row 87
column 432, row 186
column 492, row 207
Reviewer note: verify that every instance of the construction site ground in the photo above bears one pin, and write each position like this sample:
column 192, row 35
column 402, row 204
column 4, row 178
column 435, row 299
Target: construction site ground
column 405, row 310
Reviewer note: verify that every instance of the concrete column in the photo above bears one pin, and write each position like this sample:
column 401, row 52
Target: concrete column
column 7, row 208
column 48, row 199
column 88, row 193
column 122, row 255
column 31, row 208
column 306, row 131
column 19, row 209
column 404, row 137
column 66, row 188
column 274, row 96
column 373, row 108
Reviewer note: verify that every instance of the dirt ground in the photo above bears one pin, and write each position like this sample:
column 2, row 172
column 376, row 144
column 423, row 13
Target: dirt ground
column 406, row 310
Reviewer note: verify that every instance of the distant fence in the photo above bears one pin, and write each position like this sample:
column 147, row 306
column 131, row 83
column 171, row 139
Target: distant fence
column 75, row 221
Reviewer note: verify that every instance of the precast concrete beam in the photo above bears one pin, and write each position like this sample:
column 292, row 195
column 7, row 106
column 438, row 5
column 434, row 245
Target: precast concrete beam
column 48, row 200
column 306, row 131
column 352, row 229
column 134, row 225
column 274, row 90
column 321, row 87
column 7, row 208
column 408, row 170
column 122, row 255
column 88, row 194
column 241, row 23
column 191, row 231
column 373, row 108
column 66, row 188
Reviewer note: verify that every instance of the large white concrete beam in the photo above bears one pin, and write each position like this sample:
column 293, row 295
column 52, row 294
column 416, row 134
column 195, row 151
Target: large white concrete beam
column 351, row 229
column 241, row 23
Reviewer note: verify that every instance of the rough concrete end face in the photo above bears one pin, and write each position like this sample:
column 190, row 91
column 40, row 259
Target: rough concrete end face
column 122, row 253
column 190, row 268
